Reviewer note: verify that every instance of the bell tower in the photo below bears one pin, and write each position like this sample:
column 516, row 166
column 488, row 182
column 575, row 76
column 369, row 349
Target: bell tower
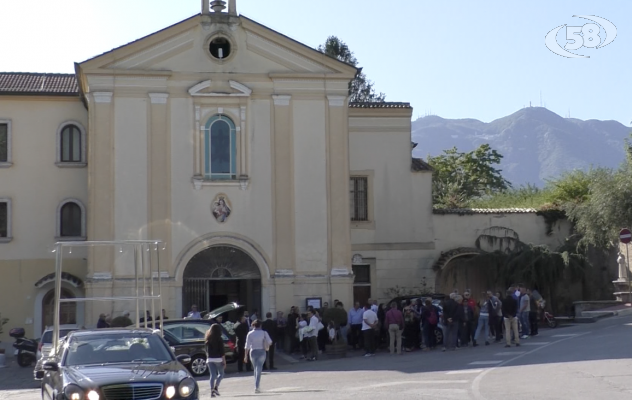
column 218, row 7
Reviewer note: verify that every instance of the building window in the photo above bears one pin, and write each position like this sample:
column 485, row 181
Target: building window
column 220, row 149
column 359, row 197
column 5, row 143
column 71, row 146
column 5, row 220
column 71, row 220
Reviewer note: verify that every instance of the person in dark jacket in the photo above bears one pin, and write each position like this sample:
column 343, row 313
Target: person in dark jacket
column 450, row 322
column 241, row 331
column 293, row 344
column 467, row 325
column 270, row 326
column 510, row 310
column 215, row 356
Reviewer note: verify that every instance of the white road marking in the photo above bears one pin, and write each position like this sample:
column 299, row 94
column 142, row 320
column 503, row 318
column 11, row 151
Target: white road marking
column 465, row 371
column 424, row 382
column 476, row 383
column 535, row 343
column 493, row 362
column 568, row 335
column 510, row 353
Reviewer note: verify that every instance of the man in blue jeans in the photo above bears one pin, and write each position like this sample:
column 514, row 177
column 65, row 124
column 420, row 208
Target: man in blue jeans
column 450, row 323
column 524, row 307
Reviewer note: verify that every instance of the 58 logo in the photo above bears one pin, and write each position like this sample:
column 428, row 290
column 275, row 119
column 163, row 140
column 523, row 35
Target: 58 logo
column 591, row 35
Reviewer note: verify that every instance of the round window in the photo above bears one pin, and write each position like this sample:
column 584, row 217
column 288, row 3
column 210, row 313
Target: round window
column 220, row 48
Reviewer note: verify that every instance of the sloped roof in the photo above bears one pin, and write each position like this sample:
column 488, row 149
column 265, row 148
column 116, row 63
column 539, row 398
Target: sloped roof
column 467, row 211
column 419, row 165
column 388, row 104
column 44, row 84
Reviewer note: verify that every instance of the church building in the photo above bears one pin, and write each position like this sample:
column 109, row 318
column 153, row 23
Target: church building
column 235, row 146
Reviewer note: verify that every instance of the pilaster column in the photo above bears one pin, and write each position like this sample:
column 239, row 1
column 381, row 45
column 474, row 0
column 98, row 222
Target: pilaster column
column 285, row 254
column 159, row 179
column 338, row 158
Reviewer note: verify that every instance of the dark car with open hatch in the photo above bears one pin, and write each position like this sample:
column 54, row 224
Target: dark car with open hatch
column 116, row 364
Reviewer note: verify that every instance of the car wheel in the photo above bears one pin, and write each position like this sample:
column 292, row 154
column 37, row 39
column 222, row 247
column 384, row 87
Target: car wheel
column 438, row 336
column 198, row 366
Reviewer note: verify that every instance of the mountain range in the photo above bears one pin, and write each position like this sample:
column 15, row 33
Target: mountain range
column 536, row 143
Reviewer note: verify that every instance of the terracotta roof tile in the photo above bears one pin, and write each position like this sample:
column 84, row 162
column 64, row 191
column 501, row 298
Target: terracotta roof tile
column 420, row 165
column 467, row 211
column 26, row 83
column 390, row 104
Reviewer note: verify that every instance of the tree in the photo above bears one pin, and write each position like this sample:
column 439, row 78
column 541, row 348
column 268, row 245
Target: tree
column 461, row 177
column 360, row 88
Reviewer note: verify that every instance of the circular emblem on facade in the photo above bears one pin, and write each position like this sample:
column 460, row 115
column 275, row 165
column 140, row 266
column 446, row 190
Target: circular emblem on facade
column 221, row 208
column 356, row 259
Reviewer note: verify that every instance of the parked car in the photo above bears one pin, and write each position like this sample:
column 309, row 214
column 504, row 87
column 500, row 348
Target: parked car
column 436, row 299
column 116, row 364
column 186, row 336
column 46, row 344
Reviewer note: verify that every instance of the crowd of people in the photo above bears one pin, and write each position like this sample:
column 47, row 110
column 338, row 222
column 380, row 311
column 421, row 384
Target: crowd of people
column 400, row 327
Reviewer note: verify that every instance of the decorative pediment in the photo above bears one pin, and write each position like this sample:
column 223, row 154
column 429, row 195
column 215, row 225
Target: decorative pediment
column 219, row 89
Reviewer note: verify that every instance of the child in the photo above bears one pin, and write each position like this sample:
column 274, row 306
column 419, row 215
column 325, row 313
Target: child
column 332, row 332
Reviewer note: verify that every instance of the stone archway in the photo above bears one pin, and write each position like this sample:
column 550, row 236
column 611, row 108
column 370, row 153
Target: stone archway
column 219, row 275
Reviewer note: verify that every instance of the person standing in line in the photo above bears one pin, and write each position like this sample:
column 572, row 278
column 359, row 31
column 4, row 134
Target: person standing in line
column 270, row 326
column 510, row 309
column 450, row 308
column 499, row 318
column 533, row 311
column 215, row 356
column 525, row 309
column 468, row 320
column 102, row 322
column 257, row 343
column 369, row 325
column 487, row 309
column 241, row 332
column 291, row 331
column 355, row 320
column 344, row 322
column 312, row 335
column 281, row 328
column 194, row 313
column 394, row 322
column 430, row 318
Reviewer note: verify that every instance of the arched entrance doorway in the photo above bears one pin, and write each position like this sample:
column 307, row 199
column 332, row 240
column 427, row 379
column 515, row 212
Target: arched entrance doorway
column 219, row 275
column 67, row 313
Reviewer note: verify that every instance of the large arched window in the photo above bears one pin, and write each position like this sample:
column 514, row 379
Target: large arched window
column 220, row 149
column 71, row 220
column 71, row 146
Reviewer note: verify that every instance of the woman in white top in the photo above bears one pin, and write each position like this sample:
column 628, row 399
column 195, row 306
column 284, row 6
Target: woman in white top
column 257, row 343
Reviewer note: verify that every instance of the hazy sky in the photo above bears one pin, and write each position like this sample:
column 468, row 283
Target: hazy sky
column 455, row 59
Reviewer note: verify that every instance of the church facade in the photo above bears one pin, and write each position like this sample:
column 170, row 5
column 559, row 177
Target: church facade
column 238, row 149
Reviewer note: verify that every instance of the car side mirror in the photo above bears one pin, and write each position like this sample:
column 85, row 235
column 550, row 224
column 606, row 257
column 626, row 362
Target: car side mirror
column 50, row 366
column 184, row 359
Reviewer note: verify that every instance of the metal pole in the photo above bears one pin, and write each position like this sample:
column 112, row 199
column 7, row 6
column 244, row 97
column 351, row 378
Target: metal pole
column 58, row 270
column 136, row 279
column 627, row 259
column 151, row 287
column 144, row 273
column 159, row 286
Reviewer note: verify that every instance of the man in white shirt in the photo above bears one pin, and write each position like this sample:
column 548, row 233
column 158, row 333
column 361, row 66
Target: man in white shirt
column 369, row 324
column 312, row 335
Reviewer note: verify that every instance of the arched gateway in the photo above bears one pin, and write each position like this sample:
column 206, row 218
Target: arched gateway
column 219, row 275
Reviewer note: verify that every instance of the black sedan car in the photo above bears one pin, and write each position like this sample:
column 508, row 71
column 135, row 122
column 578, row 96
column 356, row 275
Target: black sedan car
column 116, row 364
column 186, row 336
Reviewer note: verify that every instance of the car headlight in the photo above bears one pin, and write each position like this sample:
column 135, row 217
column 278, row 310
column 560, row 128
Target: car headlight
column 170, row 392
column 92, row 395
column 74, row 392
column 187, row 386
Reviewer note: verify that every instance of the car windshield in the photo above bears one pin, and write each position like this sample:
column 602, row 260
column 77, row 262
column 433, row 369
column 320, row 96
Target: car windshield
column 116, row 348
column 47, row 337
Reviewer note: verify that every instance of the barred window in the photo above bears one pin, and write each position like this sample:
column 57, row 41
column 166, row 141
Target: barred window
column 4, row 219
column 359, row 198
column 4, row 142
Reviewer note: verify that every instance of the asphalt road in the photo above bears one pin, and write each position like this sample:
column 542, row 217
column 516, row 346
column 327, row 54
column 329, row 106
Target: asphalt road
column 584, row 361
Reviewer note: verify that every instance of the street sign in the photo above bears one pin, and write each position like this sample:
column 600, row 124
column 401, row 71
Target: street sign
column 625, row 236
